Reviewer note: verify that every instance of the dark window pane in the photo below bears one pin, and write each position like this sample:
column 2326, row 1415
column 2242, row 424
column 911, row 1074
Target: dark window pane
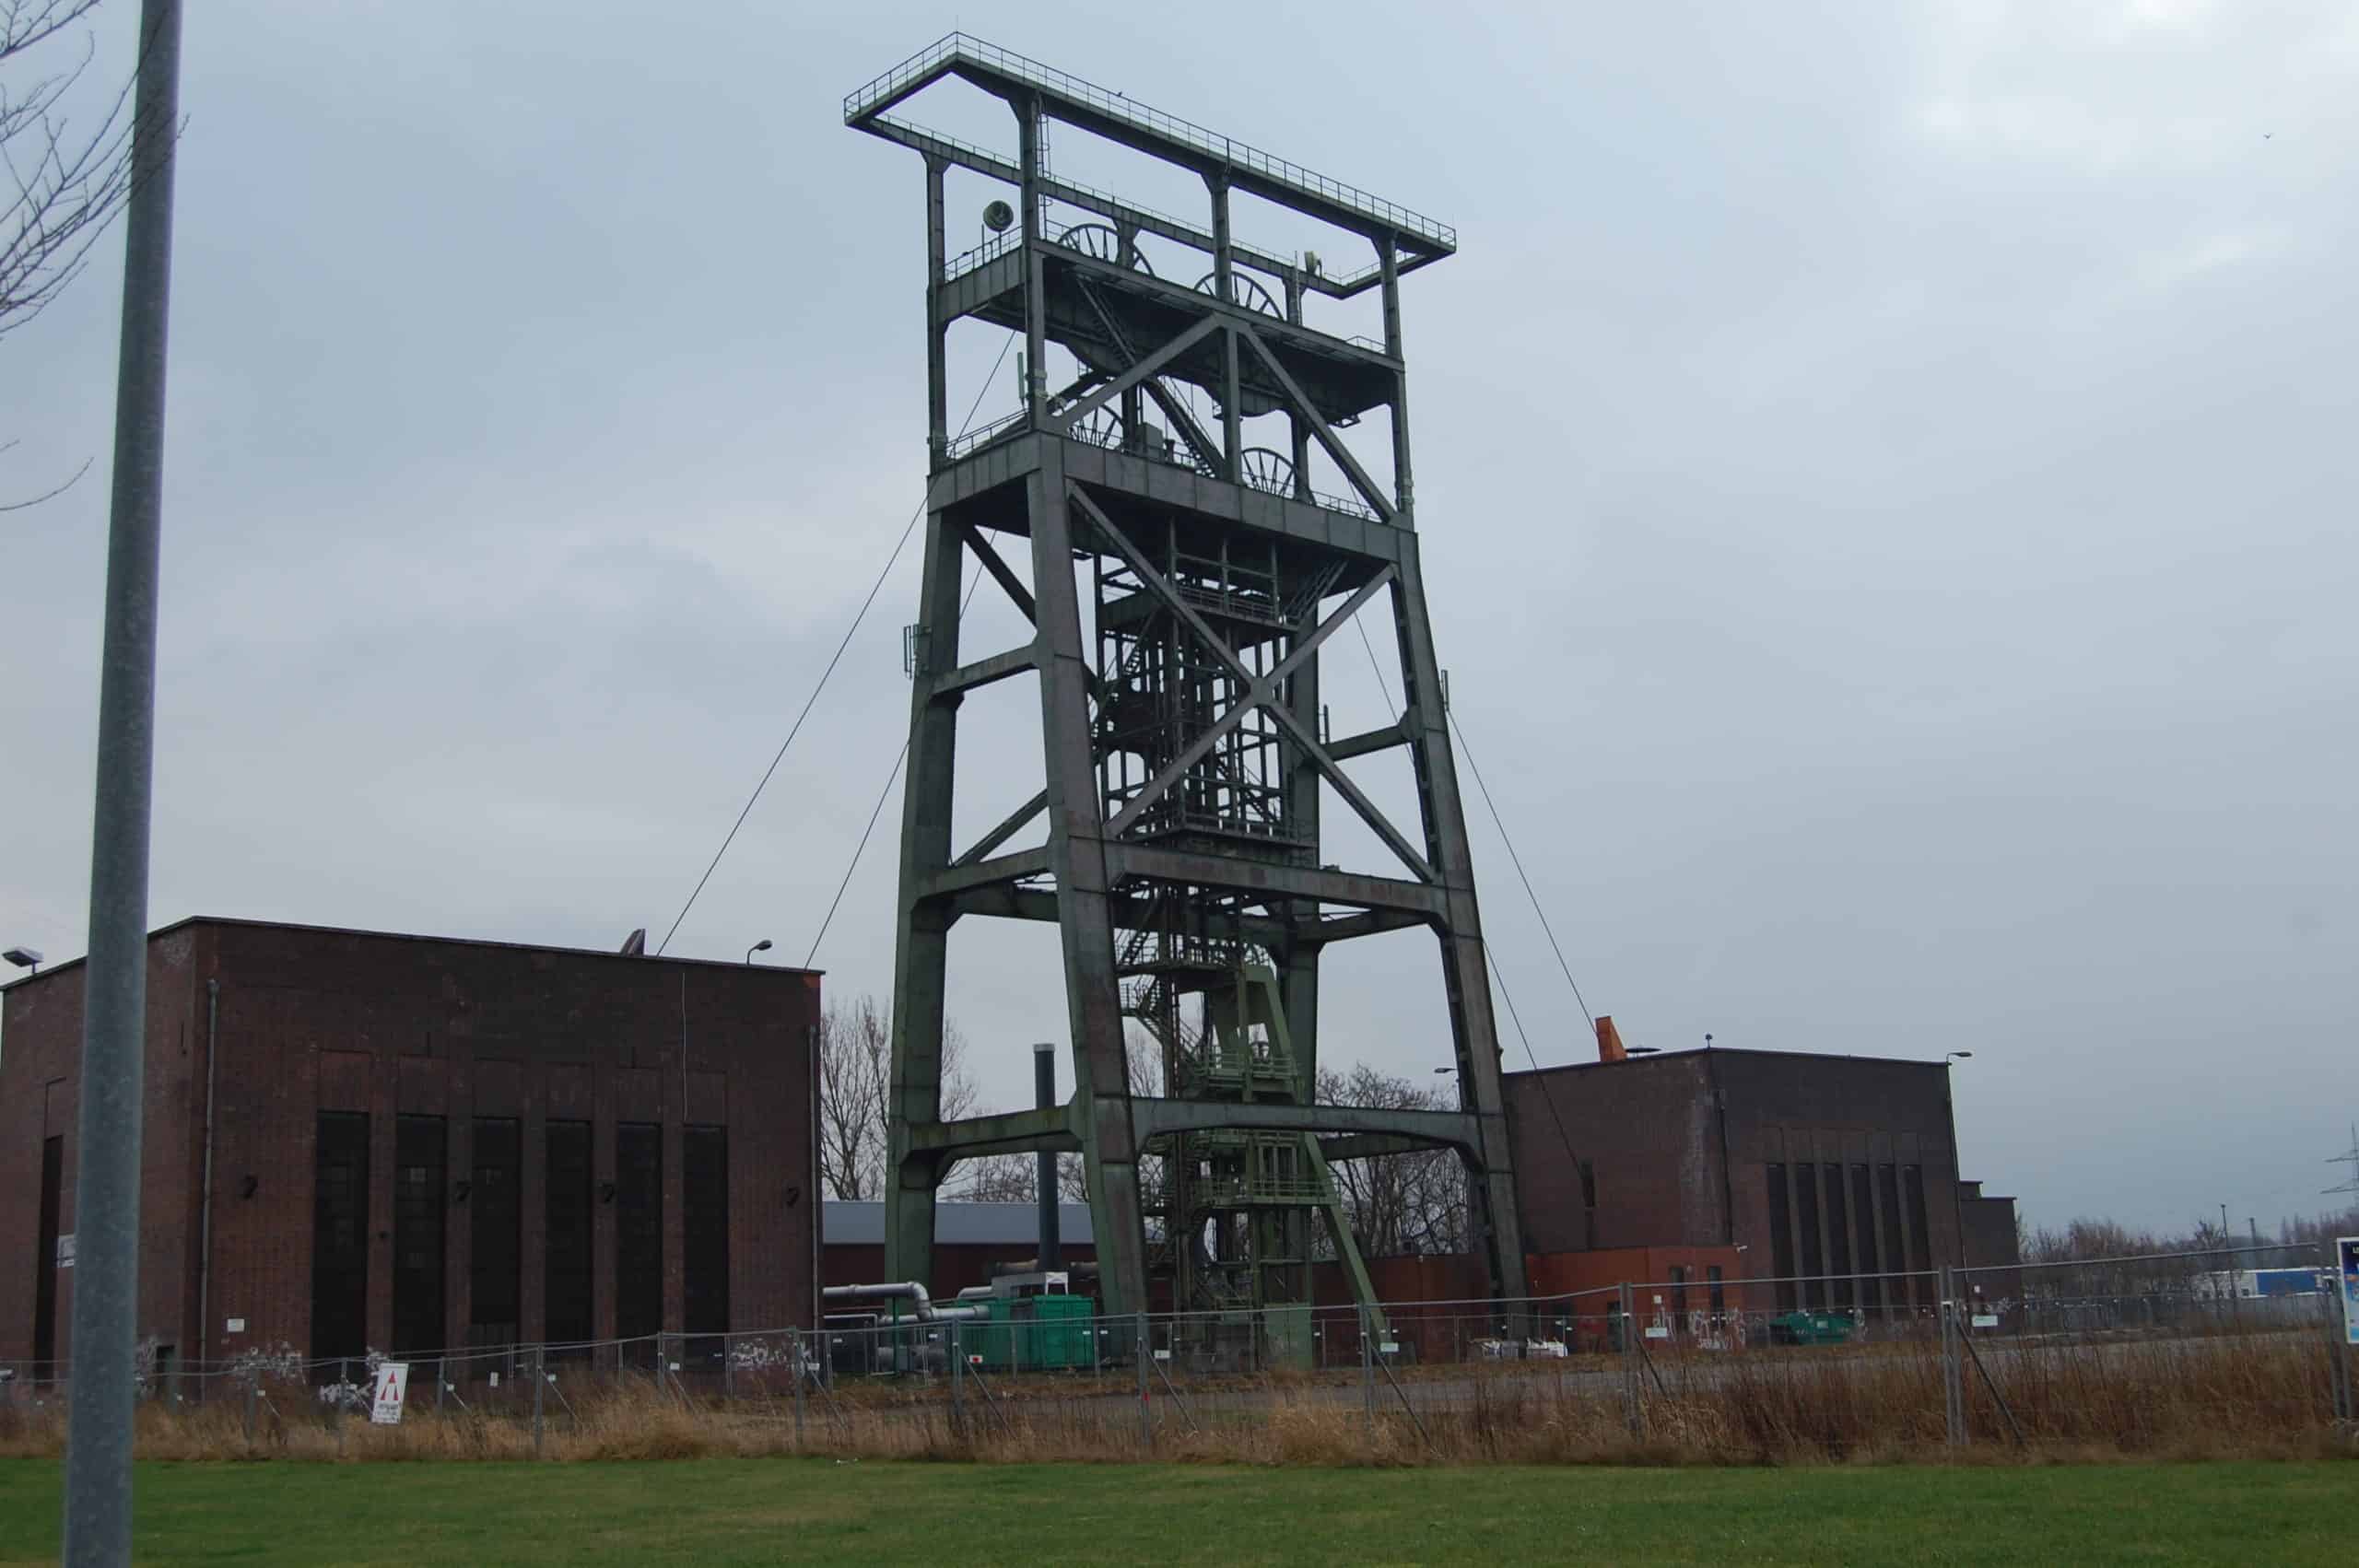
column 1896, row 1255
column 1719, row 1297
column 1782, row 1237
column 340, row 1236
column 1814, row 1259
column 1863, row 1225
column 638, row 1229
column 1843, row 1290
column 420, row 1205
column 571, row 1316
column 1920, row 1235
column 496, row 1249
column 704, row 1234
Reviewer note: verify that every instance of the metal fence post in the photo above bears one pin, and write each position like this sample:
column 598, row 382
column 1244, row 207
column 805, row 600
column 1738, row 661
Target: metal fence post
column 728, row 1368
column 1146, row 1416
column 540, row 1391
column 1953, row 1369
column 801, row 1370
column 253, row 1386
column 2338, row 1341
column 957, row 1381
column 1368, row 1371
column 1633, row 1395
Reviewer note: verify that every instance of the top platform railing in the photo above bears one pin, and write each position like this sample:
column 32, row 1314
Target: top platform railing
column 958, row 46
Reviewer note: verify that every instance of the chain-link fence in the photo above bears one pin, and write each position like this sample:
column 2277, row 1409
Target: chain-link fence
column 2128, row 1353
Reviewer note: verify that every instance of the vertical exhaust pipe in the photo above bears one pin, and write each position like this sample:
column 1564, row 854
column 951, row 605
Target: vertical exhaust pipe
column 1044, row 1096
column 1609, row 1041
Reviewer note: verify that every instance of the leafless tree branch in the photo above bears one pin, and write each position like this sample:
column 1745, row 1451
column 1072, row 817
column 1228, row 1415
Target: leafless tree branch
column 61, row 183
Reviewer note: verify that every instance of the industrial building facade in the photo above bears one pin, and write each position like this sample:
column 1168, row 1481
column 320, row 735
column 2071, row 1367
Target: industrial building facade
column 358, row 1140
column 1835, row 1174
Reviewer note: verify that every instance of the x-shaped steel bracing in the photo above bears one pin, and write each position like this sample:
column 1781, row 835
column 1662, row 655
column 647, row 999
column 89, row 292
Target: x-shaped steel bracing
column 1261, row 690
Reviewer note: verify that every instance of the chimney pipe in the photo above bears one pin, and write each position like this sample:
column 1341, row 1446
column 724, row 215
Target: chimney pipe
column 1609, row 1040
column 1044, row 1096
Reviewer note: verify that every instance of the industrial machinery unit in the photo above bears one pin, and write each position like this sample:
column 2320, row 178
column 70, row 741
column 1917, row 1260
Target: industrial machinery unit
column 1181, row 571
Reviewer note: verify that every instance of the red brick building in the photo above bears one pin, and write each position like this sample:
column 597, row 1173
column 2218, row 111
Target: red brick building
column 1813, row 1165
column 973, row 1242
column 417, row 1143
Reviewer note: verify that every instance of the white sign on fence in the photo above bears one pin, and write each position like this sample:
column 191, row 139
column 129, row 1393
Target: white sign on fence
column 393, row 1383
column 1986, row 1320
column 65, row 1250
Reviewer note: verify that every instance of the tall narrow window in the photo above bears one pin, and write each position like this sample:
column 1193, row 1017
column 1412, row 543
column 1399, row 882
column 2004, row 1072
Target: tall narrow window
column 1589, row 1205
column 1896, row 1253
column 1863, row 1225
column 1845, row 1287
column 53, row 1192
column 1813, row 1289
column 1719, row 1297
column 420, row 1196
column 340, row 1236
column 638, row 1229
column 1679, row 1292
column 496, row 1313
column 1781, row 1237
column 704, row 1234
column 1920, row 1235
column 571, row 1320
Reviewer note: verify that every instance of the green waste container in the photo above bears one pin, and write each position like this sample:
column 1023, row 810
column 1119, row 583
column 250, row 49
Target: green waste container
column 1810, row 1328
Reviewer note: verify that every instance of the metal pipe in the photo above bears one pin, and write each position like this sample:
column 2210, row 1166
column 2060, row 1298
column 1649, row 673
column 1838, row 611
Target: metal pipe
column 813, row 1191
column 204, row 1210
column 906, row 1290
column 106, row 1190
column 1044, row 1097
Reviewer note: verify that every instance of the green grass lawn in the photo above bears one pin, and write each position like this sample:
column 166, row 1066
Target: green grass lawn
column 713, row 1512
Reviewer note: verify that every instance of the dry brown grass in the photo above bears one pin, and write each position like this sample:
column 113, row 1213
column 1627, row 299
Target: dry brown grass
column 2261, row 1396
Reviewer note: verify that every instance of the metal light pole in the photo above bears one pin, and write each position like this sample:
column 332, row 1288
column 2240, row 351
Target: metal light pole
column 106, row 1189
column 761, row 946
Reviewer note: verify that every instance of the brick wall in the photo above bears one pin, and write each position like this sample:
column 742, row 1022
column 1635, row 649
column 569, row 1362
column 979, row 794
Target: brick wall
column 311, row 1020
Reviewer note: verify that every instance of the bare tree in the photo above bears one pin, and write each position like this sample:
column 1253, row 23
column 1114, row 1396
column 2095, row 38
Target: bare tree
column 65, row 188
column 64, row 185
column 1398, row 1203
column 855, row 1093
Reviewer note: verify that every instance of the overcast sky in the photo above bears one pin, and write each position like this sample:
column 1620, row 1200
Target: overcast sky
column 1885, row 474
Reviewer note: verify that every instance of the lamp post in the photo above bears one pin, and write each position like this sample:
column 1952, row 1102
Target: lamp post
column 761, row 946
column 24, row 958
column 105, row 1320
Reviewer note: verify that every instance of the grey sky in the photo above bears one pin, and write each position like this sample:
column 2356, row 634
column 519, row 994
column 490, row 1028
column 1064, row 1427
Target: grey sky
column 1885, row 472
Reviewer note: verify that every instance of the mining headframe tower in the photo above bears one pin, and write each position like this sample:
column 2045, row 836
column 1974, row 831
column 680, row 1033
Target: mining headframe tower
column 1180, row 579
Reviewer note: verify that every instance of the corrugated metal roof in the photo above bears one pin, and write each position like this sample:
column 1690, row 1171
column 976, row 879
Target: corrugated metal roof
column 969, row 1224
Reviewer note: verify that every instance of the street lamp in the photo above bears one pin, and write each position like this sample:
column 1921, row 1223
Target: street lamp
column 24, row 958
column 761, row 946
column 1640, row 1050
column 1958, row 1055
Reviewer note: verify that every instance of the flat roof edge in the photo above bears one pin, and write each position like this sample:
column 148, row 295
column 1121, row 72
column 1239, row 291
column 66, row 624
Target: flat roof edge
column 236, row 922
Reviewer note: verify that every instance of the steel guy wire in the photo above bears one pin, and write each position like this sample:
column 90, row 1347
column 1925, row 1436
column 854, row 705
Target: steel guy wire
column 859, row 616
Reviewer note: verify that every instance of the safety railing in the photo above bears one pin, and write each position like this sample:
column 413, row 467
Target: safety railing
column 1124, row 110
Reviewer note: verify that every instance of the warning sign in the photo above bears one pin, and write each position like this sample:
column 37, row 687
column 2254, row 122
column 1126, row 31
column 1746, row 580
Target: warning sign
column 393, row 1383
